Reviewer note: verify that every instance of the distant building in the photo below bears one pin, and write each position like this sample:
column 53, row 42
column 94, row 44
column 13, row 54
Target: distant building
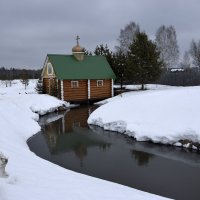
column 77, row 77
column 177, row 70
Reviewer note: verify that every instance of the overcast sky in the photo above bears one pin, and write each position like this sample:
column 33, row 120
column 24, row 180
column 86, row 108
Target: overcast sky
column 32, row 28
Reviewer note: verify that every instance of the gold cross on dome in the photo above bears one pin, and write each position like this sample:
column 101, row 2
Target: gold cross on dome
column 77, row 38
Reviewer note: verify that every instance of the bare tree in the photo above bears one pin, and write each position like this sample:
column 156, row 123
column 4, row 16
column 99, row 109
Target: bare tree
column 24, row 78
column 166, row 42
column 126, row 37
column 195, row 52
column 186, row 63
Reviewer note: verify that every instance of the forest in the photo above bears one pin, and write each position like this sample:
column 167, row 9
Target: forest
column 14, row 73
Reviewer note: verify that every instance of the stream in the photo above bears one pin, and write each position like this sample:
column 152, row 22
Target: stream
column 68, row 141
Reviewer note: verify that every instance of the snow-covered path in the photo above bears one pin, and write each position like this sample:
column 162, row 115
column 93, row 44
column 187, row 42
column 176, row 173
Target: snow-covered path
column 31, row 177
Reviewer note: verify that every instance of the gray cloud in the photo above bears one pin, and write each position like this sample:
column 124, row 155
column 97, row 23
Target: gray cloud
column 31, row 29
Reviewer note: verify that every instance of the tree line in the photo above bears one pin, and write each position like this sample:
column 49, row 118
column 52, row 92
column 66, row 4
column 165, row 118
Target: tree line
column 137, row 59
column 180, row 77
column 13, row 73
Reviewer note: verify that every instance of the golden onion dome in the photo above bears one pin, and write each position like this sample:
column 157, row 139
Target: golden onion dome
column 77, row 49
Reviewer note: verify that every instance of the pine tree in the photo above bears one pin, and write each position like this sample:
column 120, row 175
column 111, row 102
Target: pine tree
column 119, row 62
column 87, row 52
column 105, row 51
column 39, row 87
column 102, row 50
column 143, row 63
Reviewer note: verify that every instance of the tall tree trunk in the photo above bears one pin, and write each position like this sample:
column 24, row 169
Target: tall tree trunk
column 142, row 88
column 121, row 81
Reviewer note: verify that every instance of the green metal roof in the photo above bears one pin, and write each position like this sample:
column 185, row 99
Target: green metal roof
column 92, row 67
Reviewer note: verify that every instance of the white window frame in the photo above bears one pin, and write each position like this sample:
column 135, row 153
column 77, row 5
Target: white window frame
column 99, row 83
column 49, row 65
column 74, row 84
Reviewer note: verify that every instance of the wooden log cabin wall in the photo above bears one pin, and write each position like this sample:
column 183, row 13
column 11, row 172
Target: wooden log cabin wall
column 75, row 90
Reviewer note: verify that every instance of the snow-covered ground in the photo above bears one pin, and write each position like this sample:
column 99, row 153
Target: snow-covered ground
column 31, row 177
column 17, row 87
column 147, row 87
column 135, row 88
column 168, row 115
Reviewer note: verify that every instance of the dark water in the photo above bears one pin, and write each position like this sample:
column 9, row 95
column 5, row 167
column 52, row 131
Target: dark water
column 69, row 142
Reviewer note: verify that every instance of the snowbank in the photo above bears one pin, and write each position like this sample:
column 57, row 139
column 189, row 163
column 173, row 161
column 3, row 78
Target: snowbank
column 31, row 177
column 162, row 116
column 136, row 88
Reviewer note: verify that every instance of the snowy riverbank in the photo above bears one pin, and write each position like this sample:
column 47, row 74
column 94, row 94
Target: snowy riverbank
column 168, row 115
column 31, row 177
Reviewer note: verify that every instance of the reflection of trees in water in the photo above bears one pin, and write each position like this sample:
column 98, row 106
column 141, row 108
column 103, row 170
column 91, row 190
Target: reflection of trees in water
column 104, row 147
column 51, row 132
column 142, row 158
column 81, row 152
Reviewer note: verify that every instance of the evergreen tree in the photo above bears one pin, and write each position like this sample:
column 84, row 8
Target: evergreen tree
column 143, row 62
column 87, row 53
column 119, row 62
column 39, row 87
column 104, row 51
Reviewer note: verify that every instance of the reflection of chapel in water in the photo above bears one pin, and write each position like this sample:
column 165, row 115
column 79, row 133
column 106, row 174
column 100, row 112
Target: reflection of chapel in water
column 70, row 133
column 142, row 157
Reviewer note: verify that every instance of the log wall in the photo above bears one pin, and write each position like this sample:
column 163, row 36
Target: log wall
column 49, row 85
column 46, row 85
column 81, row 92
column 101, row 91
column 75, row 94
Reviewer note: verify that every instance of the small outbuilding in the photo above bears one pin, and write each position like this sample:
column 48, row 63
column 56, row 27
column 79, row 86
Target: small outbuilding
column 77, row 77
